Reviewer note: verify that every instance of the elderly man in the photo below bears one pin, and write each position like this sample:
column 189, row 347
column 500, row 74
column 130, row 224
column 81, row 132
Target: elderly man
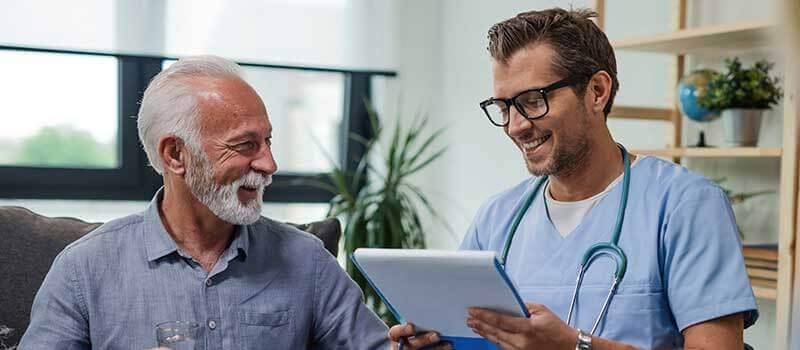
column 202, row 252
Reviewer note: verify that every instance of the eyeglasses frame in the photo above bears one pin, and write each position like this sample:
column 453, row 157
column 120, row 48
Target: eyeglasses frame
column 513, row 100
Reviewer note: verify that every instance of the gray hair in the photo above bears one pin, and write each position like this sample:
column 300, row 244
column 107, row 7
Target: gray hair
column 169, row 106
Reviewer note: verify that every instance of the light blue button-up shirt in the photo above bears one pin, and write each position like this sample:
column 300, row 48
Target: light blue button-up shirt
column 275, row 287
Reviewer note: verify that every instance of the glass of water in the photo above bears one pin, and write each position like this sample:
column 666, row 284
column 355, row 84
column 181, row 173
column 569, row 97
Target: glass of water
column 177, row 335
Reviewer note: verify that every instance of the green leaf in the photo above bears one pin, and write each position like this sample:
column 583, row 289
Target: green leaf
column 425, row 162
column 424, row 147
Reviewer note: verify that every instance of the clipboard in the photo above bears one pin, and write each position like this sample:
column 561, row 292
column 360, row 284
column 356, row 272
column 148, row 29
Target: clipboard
column 434, row 288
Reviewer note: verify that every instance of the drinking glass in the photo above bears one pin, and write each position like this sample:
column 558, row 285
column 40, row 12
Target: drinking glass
column 177, row 335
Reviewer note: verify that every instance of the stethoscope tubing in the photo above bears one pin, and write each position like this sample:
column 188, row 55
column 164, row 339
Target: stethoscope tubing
column 610, row 248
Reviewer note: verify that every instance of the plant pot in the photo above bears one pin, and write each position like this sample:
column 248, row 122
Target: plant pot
column 741, row 126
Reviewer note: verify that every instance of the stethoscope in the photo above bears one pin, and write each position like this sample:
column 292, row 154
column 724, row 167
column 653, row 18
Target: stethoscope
column 610, row 248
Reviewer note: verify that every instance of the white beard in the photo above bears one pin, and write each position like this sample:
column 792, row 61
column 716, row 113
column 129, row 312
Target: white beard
column 223, row 200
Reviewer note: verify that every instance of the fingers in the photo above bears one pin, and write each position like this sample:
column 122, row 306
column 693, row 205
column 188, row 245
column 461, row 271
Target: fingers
column 412, row 340
column 534, row 308
column 507, row 323
column 495, row 335
column 420, row 341
column 401, row 330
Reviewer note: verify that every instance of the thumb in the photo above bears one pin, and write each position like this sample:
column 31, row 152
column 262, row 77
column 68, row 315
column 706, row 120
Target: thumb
column 534, row 308
column 401, row 331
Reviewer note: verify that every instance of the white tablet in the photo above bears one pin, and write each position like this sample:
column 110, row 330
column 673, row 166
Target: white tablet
column 433, row 289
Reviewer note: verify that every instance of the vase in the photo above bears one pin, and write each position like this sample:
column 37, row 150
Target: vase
column 741, row 126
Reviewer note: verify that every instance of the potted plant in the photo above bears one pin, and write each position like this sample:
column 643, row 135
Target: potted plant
column 742, row 94
column 380, row 207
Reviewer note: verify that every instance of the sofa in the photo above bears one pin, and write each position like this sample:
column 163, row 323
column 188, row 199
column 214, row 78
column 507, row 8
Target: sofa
column 29, row 242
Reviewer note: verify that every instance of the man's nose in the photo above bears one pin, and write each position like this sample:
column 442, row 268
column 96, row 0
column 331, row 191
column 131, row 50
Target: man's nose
column 517, row 123
column 265, row 162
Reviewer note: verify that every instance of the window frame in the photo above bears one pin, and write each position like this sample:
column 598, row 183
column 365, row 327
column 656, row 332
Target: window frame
column 134, row 179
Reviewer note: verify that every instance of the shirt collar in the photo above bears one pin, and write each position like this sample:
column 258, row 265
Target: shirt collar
column 158, row 242
column 241, row 240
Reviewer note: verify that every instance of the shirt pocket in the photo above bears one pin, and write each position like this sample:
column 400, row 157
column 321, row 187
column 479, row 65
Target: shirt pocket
column 646, row 312
column 267, row 330
column 639, row 315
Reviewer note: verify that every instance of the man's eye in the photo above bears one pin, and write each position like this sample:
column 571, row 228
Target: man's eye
column 534, row 102
column 245, row 146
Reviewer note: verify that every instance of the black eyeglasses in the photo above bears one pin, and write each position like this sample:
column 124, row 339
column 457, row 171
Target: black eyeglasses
column 531, row 104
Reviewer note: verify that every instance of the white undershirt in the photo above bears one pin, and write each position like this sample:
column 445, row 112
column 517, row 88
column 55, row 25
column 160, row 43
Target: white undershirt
column 566, row 216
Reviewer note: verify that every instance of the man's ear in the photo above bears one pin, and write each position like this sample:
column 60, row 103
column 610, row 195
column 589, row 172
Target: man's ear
column 173, row 153
column 599, row 89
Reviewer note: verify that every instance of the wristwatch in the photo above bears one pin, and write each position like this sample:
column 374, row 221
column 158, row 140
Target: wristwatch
column 584, row 341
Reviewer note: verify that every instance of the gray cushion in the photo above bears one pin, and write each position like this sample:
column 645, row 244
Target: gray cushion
column 328, row 230
column 29, row 242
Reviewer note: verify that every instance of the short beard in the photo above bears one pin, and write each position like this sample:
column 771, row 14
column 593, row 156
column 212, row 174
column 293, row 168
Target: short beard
column 570, row 155
column 565, row 160
column 223, row 200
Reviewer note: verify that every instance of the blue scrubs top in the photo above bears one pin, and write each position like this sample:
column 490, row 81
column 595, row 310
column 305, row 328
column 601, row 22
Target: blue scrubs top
column 685, row 262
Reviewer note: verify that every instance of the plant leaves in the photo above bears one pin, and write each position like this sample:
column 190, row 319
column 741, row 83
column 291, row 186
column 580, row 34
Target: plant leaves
column 379, row 206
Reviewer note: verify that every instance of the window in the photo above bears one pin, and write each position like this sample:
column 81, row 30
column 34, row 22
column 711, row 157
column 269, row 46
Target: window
column 306, row 111
column 60, row 110
column 72, row 131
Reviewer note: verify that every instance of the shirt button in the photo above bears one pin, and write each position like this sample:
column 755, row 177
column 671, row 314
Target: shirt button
column 209, row 282
column 212, row 325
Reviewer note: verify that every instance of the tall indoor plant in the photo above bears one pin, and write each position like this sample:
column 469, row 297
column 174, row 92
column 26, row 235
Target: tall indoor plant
column 742, row 95
column 380, row 207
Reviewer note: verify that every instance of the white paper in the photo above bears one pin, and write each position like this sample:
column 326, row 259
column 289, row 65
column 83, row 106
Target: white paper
column 434, row 288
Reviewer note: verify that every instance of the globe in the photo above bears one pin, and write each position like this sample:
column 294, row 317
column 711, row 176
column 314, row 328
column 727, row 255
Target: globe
column 690, row 88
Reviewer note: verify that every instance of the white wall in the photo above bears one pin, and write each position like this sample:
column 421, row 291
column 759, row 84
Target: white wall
column 444, row 68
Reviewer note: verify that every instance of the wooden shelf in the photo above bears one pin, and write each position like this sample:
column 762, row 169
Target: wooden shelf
column 641, row 113
column 712, row 152
column 765, row 293
column 735, row 36
column 727, row 40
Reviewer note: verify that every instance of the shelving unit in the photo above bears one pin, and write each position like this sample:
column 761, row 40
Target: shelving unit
column 765, row 293
column 643, row 113
column 739, row 152
column 739, row 36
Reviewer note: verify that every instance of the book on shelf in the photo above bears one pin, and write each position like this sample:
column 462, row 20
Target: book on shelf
column 762, row 273
column 761, row 264
column 761, row 251
column 760, row 282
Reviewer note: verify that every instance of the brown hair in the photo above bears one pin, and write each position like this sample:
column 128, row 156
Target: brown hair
column 581, row 48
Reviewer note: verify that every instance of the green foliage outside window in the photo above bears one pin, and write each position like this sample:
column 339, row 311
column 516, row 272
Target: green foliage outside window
column 67, row 147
